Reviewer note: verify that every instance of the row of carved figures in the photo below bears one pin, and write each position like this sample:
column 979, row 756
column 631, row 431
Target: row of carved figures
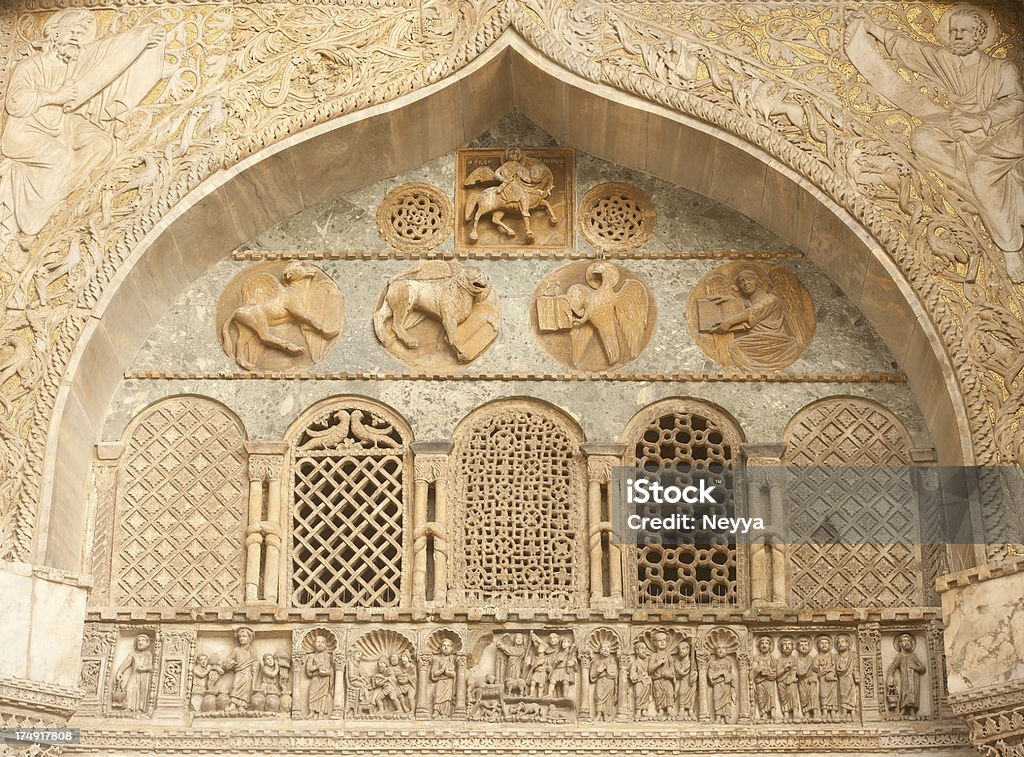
column 523, row 675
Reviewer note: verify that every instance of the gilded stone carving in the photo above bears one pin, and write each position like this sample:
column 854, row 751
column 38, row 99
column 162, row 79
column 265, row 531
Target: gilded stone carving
column 439, row 315
column 969, row 142
column 415, row 217
column 751, row 316
column 615, row 216
column 280, row 316
column 593, row 316
column 498, row 187
column 66, row 107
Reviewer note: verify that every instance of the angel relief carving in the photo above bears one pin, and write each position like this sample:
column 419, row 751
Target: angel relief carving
column 520, row 182
column 65, row 105
column 439, row 315
column 594, row 316
column 751, row 316
column 280, row 316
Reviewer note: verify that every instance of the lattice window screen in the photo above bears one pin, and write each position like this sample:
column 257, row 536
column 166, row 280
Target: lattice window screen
column 519, row 498
column 181, row 508
column 879, row 563
column 686, row 567
column 348, row 511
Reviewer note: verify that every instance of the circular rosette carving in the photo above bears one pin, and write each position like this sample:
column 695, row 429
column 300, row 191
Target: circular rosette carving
column 438, row 316
column 616, row 216
column 415, row 217
column 280, row 316
column 751, row 316
column 593, row 315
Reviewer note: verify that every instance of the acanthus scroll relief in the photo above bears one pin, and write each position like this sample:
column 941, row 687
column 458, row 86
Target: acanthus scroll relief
column 211, row 84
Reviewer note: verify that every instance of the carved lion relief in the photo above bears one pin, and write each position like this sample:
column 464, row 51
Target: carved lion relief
column 280, row 316
column 616, row 216
column 439, row 315
column 751, row 316
column 593, row 315
column 515, row 197
column 415, row 217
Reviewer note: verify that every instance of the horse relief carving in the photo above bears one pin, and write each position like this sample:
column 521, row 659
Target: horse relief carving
column 280, row 316
column 439, row 315
column 502, row 192
column 594, row 316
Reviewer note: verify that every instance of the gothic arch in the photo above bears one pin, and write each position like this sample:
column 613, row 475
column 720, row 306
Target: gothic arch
column 304, row 168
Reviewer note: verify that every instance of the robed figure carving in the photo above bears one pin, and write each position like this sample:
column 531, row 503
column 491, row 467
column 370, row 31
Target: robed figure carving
column 65, row 106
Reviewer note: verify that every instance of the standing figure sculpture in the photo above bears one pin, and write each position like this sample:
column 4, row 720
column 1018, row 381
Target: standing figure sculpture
column 903, row 678
column 976, row 144
column 686, row 680
column 604, row 675
column 807, row 680
column 133, row 679
column 828, row 681
column 762, row 668
column 846, row 672
column 243, row 661
column 442, row 676
column 722, row 678
column 786, row 681
column 661, row 666
column 640, row 679
column 319, row 668
column 66, row 106
column 525, row 184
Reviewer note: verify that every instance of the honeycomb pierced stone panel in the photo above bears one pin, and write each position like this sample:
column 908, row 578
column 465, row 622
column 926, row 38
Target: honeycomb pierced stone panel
column 415, row 217
column 616, row 216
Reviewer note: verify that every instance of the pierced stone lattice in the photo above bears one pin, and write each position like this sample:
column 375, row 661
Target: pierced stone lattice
column 348, row 512
column 853, row 510
column 686, row 567
column 181, row 508
column 519, row 499
column 616, row 216
column 415, row 217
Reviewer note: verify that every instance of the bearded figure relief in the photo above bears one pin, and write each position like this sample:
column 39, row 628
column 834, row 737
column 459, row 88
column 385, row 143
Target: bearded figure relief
column 65, row 106
column 593, row 316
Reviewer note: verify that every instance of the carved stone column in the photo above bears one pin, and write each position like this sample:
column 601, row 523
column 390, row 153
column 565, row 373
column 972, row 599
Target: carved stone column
column 703, row 695
column 583, row 698
column 460, row 686
column 423, row 689
column 98, row 541
column 622, row 715
column 172, row 694
column 338, row 711
column 869, row 636
column 430, row 522
column 603, row 543
column 743, row 703
column 766, row 500
column 263, row 533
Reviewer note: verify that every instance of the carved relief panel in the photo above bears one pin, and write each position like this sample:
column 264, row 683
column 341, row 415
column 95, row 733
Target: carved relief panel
column 439, row 315
column 280, row 316
column 181, row 507
column 751, row 316
column 593, row 316
column 515, row 197
column 616, row 216
column 241, row 672
column 414, row 217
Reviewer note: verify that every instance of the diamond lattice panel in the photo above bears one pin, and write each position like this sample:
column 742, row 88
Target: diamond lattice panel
column 181, row 508
column 519, row 498
column 852, row 510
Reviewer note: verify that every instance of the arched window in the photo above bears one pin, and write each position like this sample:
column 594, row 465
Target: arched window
column 686, row 440
column 518, row 516
column 181, row 507
column 349, row 467
column 852, row 509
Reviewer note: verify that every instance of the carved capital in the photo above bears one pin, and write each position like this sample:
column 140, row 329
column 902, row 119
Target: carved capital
column 430, row 468
column 265, row 467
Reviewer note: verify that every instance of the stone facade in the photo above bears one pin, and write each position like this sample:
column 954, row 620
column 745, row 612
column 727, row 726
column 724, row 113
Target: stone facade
column 324, row 326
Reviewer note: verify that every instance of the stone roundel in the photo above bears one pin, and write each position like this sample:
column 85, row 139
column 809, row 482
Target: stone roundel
column 282, row 315
column 616, row 216
column 415, row 217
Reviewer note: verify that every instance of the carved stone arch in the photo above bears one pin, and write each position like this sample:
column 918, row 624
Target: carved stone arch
column 179, row 517
column 518, row 507
column 304, row 168
column 853, row 509
column 349, row 474
column 686, row 568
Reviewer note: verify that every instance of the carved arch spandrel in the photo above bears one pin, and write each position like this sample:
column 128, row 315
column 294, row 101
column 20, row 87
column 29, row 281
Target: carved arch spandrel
column 349, row 482
column 700, row 435
column 180, row 508
column 842, row 217
column 518, row 507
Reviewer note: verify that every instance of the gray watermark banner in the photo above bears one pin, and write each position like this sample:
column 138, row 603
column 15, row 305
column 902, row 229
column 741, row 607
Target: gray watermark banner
column 715, row 505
